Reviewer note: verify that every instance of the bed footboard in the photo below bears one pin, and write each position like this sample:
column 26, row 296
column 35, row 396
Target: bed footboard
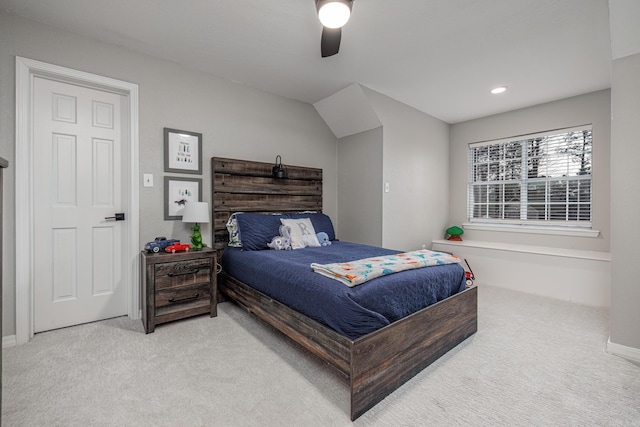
column 384, row 360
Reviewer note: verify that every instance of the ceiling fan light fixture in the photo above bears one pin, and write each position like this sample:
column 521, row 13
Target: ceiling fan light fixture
column 334, row 13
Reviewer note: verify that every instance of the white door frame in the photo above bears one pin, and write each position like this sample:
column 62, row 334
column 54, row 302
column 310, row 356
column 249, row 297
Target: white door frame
column 26, row 71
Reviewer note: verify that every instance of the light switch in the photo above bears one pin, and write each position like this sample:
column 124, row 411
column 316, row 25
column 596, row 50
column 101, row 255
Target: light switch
column 386, row 187
column 148, row 179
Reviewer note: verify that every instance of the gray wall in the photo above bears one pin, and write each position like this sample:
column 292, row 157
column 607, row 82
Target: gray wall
column 594, row 108
column 625, row 198
column 415, row 164
column 360, row 187
column 235, row 121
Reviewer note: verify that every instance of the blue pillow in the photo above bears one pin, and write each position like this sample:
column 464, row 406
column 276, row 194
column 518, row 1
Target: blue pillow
column 320, row 221
column 256, row 230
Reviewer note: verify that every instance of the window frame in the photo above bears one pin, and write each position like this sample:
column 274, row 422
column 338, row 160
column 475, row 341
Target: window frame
column 520, row 222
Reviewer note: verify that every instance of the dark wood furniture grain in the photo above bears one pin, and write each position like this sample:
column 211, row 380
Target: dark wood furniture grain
column 246, row 186
column 179, row 285
column 375, row 364
column 3, row 164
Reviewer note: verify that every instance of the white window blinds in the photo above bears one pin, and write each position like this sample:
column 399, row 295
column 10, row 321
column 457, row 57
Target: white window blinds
column 543, row 178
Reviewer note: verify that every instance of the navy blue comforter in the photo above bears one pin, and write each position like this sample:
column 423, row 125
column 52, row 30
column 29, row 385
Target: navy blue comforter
column 287, row 277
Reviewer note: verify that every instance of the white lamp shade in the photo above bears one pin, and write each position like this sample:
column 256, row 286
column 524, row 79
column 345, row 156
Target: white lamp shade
column 334, row 14
column 196, row 212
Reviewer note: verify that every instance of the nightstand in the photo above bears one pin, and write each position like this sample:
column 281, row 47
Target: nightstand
column 179, row 285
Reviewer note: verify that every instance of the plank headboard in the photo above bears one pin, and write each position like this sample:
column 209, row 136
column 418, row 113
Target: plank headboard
column 248, row 186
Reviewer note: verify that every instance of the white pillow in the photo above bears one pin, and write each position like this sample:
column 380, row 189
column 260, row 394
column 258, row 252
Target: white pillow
column 234, row 233
column 302, row 233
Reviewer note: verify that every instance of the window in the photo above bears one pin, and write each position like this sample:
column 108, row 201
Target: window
column 541, row 179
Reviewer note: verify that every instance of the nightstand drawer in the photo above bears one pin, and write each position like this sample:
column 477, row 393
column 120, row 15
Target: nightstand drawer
column 181, row 297
column 177, row 274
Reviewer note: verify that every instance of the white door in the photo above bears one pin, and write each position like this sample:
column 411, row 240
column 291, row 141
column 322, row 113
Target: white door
column 78, row 156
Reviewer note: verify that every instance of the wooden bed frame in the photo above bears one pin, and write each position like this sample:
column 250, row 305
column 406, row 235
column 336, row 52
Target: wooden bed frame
column 375, row 364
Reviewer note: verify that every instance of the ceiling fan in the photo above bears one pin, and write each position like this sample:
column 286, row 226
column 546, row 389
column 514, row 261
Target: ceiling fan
column 333, row 15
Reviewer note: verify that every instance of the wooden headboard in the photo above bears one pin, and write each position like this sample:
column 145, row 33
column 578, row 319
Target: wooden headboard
column 247, row 186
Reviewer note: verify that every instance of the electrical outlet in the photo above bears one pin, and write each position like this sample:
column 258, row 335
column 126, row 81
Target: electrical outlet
column 148, row 179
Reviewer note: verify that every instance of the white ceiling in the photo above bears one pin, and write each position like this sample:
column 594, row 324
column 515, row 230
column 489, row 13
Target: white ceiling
column 439, row 56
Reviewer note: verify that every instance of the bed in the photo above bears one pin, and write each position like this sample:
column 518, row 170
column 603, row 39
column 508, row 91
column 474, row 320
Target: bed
column 375, row 360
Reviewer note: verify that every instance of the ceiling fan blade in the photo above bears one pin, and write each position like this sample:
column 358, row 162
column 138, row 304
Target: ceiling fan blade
column 330, row 43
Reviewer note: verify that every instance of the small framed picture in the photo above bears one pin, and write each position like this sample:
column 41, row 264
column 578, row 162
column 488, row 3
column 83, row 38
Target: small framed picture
column 182, row 151
column 177, row 192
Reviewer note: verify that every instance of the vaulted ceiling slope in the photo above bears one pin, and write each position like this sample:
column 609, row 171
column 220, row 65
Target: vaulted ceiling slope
column 439, row 56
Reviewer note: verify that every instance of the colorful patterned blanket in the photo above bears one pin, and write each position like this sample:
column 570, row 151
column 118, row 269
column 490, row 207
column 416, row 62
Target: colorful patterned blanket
column 357, row 272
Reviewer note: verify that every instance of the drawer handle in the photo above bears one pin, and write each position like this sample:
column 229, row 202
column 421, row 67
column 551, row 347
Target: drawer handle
column 184, row 299
column 182, row 273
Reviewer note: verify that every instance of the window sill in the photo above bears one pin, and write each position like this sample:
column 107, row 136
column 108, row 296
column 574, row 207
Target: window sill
column 532, row 229
column 534, row 250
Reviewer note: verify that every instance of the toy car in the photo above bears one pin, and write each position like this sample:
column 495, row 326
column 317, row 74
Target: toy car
column 177, row 247
column 159, row 243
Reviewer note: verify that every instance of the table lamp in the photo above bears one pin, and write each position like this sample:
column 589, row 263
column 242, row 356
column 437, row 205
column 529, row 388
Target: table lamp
column 197, row 213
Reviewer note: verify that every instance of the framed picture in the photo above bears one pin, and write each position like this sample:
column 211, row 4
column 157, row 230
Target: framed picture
column 177, row 192
column 182, row 151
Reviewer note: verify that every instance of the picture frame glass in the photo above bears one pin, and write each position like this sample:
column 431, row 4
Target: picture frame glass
column 179, row 191
column 183, row 151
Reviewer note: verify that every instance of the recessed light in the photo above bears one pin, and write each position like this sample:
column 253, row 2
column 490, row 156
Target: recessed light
column 498, row 89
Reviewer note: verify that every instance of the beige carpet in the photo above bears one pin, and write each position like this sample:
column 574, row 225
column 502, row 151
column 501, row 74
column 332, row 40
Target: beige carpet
column 533, row 361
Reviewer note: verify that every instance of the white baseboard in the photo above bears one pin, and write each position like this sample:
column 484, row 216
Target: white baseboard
column 582, row 277
column 629, row 353
column 9, row 341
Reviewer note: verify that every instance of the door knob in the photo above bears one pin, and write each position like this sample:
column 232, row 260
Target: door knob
column 118, row 217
